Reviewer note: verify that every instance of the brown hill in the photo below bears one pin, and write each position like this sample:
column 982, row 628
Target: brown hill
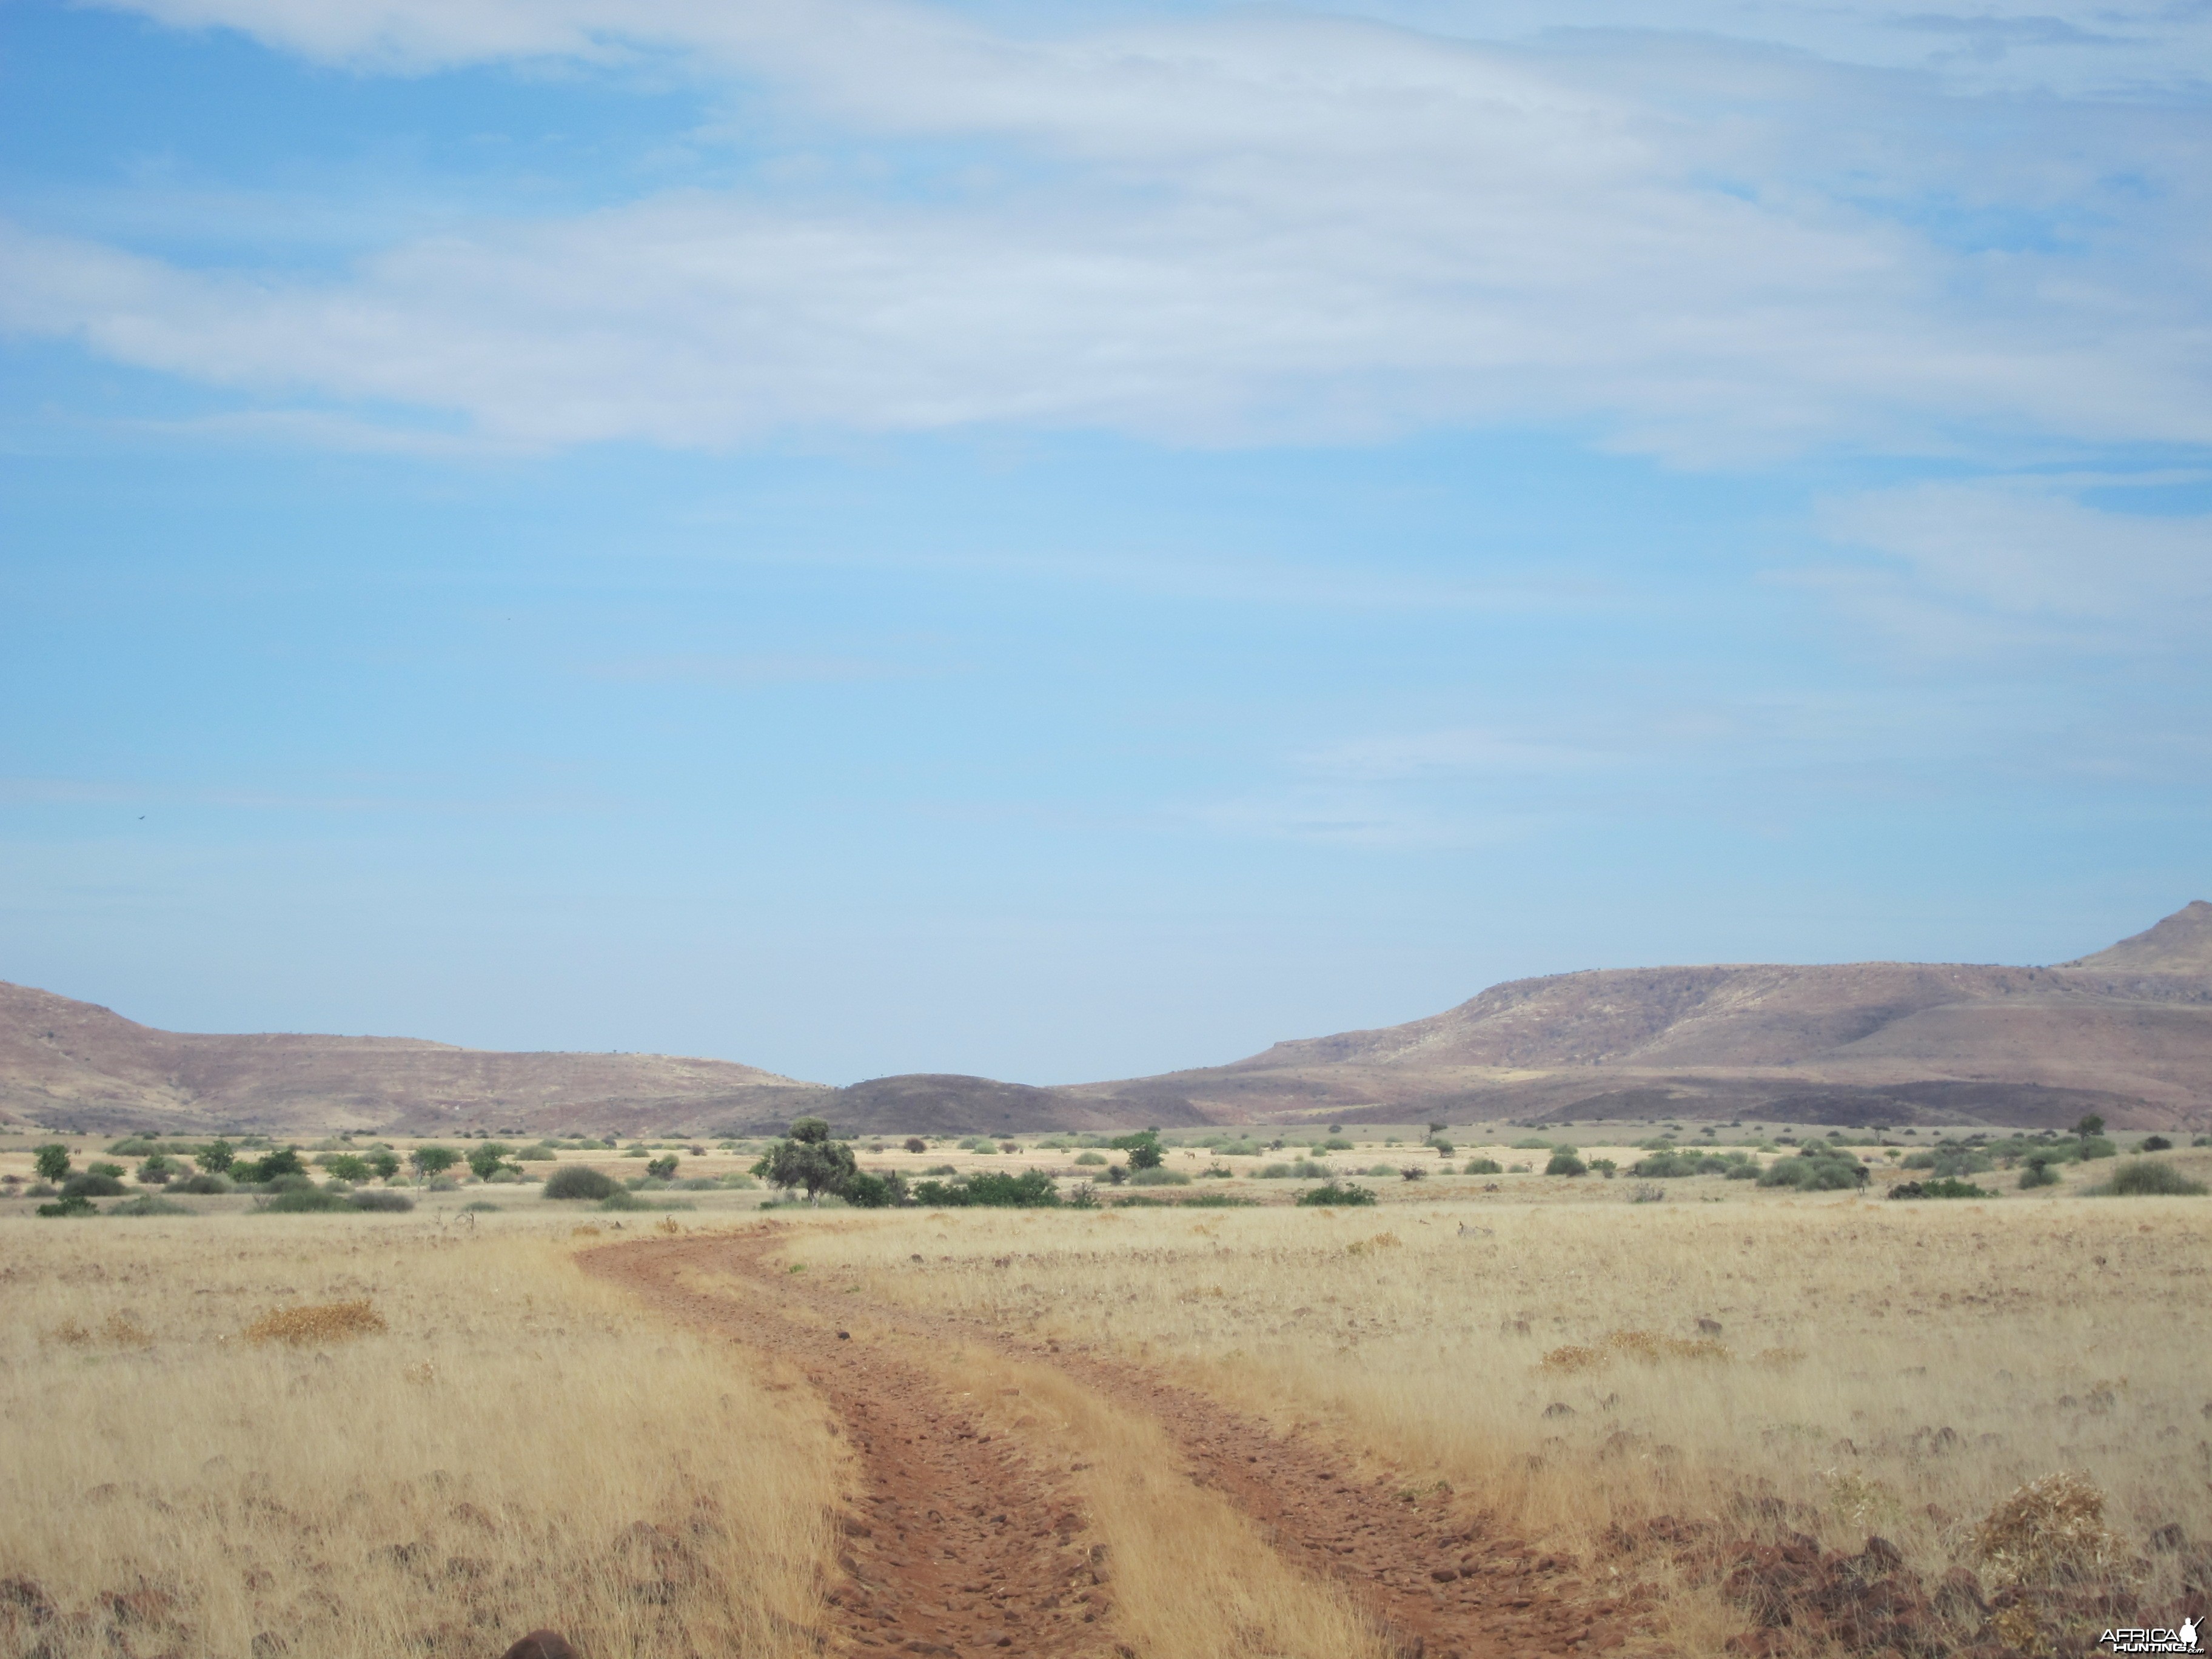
column 67, row 1065
column 2127, row 1032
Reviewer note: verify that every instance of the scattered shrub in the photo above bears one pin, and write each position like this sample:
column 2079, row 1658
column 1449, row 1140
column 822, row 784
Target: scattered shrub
column 1484, row 1166
column 327, row 1322
column 393, row 1203
column 481, row 1204
column 301, row 1201
column 151, row 1204
column 541, row 1154
column 579, row 1180
column 661, row 1169
column 1564, row 1163
column 156, row 1171
column 1160, row 1178
column 2155, row 1144
column 92, row 1185
column 1815, row 1169
column 864, row 1189
column 1032, row 1189
column 1413, row 1172
column 346, row 1166
column 2142, row 1177
column 1080, row 1158
column 2038, row 1172
column 917, row 1143
column 75, row 1204
column 1335, row 1196
column 621, row 1199
column 1946, row 1187
column 201, row 1185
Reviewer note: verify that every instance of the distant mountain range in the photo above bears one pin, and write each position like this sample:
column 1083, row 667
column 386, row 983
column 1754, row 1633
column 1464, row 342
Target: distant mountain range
column 2126, row 1032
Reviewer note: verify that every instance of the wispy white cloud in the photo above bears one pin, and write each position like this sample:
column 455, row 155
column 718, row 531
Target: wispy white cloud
column 1248, row 229
column 2021, row 564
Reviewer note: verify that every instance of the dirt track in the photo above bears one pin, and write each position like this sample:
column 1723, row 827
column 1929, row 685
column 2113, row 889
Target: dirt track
column 968, row 1544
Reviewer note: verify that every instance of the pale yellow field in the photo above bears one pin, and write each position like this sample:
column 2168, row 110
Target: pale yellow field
column 1881, row 1367
column 518, row 1448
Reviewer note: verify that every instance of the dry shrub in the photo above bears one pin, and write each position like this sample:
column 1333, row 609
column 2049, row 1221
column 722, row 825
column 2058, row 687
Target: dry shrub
column 1780, row 1358
column 324, row 1322
column 1574, row 1358
column 2050, row 1530
column 1652, row 1346
column 1380, row 1242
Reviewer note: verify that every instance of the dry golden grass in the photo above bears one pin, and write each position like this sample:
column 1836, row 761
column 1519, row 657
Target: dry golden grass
column 498, row 1443
column 1914, row 1365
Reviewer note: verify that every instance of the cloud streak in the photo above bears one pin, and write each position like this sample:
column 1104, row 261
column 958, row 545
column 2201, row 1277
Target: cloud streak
column 1250, row 230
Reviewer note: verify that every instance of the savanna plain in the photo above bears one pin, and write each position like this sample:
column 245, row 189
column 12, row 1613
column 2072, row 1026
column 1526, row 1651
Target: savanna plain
column 1477, row 1416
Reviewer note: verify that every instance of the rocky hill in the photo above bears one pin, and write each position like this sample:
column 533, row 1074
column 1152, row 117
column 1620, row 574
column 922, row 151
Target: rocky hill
column 2126, row 1031
column 67, row 1065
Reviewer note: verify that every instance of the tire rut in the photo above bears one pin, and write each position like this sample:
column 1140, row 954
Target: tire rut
column 1440, row 1586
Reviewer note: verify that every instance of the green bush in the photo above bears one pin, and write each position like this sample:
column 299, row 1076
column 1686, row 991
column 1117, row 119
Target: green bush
column 1942, row 1186
column 1815, row 1169
column 2154, row 1144
column 1088, row 1157
column 91, row 1185
column 75, row 1204
column 1032, row 1189
column 621, row 1199
column 481, row 1207
column 273, row 1166
column 1532, row 1145
column 1413, row 1172
column 541, row 1154
column 1154, row 1177
column 2038, row 1172
column 299, row 1200
column 53, row 1160
column 201, row 1185
column 1564, row 1163
column 864, row 1189
column 346, row 1166
column 395, row 1203
column 1484, row 1166
column 151, row 1204
column 579, row 1181
column 1333, row 1196
column 2142, row 1177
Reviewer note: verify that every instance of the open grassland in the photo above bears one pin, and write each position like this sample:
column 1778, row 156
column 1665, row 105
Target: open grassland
column 1877, row 1367
column 368, row 1436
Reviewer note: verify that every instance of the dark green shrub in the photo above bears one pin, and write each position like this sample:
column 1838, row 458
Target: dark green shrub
column 156, row 1171
column 486, row 1157
column 917, row 1143
column 866, row 1189
column 151, row 1204
column 1413, row 1172
column 273, row 1166
column 112, row 1171
column 216, row 1156
column 75, row 1204
column 1746, row 1171
column 301, row 1201
column 621, row 1199
column 346, row 1166
column 480, row 1205
column 384, row 1162
column 1484, row 1166
column 201, row 1185
column 2155, row 1144
column 579, row 1180
column 807, row 1157
column 1942, row 1186
column 432, row 1161
column 396, row 1203
column 53, row 1161
column 1080, row 1158
column 289, row 1183
column 1333, row 1196
column 1032, row 1189
column 134, row 1147
column 1564, row 1163
column 2097, row 1146
column 2142, row 1177
column 90, row 1185
column 662, row 1169
column 1153, row 1176
column 2038, row 1172
column 1815, row 1169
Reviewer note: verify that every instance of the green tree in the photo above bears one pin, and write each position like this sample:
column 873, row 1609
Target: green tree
column 156, row 1170
column 433, row 1160
column 485, row 1157
column 2090, row 1126
column 284, row 1161
column 383, row 1162
column 808, row 1157
column 53, row 1161
column 216, row 1156
column 349, row 1166
column 662, row 1169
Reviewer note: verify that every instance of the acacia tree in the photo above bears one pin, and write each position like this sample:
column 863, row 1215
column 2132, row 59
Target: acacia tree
column 53, row 1161
column 432, row 1161
column 808, row 1157
column 216, row 1156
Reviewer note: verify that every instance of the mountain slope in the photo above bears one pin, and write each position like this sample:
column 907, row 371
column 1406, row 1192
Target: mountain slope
column 71, row 1064
column 2128, row 1031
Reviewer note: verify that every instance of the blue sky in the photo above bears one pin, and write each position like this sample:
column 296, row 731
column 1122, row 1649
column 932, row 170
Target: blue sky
column 1068, row 541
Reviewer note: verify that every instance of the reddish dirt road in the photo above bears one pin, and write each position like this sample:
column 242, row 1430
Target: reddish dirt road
column 969, row 1545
